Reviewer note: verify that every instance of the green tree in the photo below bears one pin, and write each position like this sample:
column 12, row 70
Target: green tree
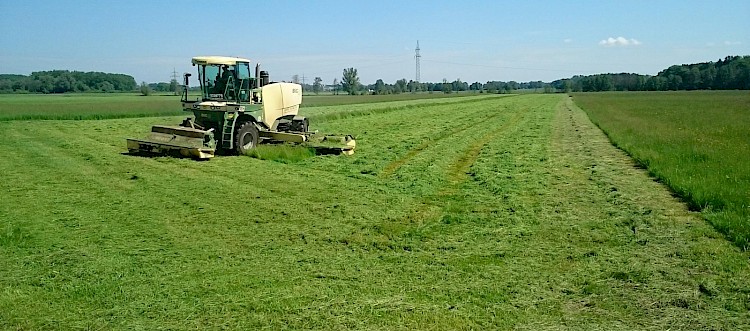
column 145, row 89
column 350, row 81
column 447, row 87
column 566, row 85
column 174, row 87
column 401, row 85
column 379, row 87
column 458, row 85
column 317, row 85
column 413, row 86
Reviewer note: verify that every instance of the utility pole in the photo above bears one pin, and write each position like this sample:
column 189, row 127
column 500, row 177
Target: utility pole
column 416, row 57
column 175, row 82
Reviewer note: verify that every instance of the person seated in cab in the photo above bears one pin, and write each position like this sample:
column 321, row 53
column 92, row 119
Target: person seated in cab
column 223, row 79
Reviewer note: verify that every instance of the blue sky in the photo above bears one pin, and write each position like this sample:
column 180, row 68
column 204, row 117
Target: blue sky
column 468, row 40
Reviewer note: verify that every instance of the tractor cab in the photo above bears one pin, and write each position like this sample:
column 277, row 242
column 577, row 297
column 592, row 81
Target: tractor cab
column 226, row 79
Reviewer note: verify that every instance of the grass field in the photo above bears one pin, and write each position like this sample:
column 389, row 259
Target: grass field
column 85, row 106
column 482, row 213
column 698, row 143
column 334, row 100
column 90, row 106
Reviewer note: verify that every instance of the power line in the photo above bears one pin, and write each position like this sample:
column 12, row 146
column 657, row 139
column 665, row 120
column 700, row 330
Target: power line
column 417, row 57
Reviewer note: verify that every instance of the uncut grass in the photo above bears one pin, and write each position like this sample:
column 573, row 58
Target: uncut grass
column 89, row 106
column 328, row 113
column 283, row 153
column 443, row 240
column 311, row 100
column 695, row 142
column 85, row 106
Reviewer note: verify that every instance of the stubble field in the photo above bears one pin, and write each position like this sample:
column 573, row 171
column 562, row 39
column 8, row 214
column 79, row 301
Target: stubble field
column 479, row 212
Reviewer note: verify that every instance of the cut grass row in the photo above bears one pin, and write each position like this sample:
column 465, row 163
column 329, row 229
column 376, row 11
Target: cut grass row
column 698, row 143
column 509, row 213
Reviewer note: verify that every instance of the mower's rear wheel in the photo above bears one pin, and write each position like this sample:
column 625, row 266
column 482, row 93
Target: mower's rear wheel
column 300, row 125
column 246, row 137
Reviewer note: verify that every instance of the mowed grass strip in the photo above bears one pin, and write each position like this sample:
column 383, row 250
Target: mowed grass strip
column 531, row 236
column 698, row 143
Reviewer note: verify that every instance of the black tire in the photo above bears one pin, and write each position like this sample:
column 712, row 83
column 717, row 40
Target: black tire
column 300, row 125
column 245, row 137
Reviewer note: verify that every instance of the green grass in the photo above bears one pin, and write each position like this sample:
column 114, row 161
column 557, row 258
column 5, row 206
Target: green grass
column 337, row 112
column 698, row 143
column 283, row 153
column 335, row 100
column 85, row 106
column 89, row 106
column 496, row 213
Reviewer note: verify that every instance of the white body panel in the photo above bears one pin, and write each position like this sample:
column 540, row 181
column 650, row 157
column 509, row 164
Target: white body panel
column 280, row 99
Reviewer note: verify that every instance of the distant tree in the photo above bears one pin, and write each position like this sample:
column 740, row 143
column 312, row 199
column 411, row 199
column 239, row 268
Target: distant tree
column 145, row 89
column 105, row 87
column 400, row 86
column 350, row 81
column 64, row 83
column 413, row 86
column 335, row 86
column 458, row 85
column 174, row 87
column 446, row 87
column 379, row 87
column 674, row 82
column 160, row 87
column 506, row 88
column 317, row 85
column 565, row 85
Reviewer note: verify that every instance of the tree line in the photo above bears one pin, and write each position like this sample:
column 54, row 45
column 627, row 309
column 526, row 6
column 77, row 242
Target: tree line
column 62, row 81
column 731, row 73
column 350, row 84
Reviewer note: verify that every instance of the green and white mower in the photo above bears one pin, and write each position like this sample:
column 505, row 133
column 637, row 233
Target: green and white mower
column 237, row 110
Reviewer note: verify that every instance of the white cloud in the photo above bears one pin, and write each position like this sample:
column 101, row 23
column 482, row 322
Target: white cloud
column 619, row 41
column 568, row 41
column 732, row 43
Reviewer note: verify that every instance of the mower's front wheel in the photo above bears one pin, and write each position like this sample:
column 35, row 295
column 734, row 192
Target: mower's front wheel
column 246, row 137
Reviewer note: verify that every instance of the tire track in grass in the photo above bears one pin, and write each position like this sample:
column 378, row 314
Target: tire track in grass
column 457, row 172
column 396, row 164
column 432, row 206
